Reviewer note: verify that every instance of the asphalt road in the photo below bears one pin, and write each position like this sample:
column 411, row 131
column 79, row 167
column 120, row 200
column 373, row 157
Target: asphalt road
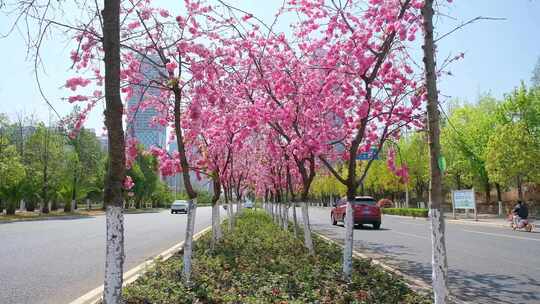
column 56, row 261
column 486, row 264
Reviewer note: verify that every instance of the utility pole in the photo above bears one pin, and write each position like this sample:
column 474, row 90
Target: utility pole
column 438, row 242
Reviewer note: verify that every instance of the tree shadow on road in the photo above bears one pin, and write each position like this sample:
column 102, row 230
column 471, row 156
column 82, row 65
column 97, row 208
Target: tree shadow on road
column 473, row 287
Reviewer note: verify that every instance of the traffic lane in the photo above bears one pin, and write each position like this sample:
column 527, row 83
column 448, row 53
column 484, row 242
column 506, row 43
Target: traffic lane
column 488, row 270
column 56, row 261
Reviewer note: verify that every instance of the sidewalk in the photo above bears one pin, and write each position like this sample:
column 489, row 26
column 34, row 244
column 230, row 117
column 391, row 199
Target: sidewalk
column 483, row 219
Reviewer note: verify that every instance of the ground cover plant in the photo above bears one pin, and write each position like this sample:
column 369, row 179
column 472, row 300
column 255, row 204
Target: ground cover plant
column 258, row 262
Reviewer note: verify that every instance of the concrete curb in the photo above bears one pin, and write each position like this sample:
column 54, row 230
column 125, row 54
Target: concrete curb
column 94, row 296
column 413, row 283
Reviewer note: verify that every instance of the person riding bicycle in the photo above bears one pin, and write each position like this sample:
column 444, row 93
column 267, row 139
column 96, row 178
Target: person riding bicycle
column 520, row 212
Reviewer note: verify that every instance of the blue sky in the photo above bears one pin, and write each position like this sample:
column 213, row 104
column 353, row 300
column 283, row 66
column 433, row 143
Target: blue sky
column 498, row 55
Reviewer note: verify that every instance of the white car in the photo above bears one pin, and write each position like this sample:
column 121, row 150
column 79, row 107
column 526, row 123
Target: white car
column 179, row 206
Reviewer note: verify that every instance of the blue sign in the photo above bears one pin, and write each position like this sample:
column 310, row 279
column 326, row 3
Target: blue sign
column 371, row 154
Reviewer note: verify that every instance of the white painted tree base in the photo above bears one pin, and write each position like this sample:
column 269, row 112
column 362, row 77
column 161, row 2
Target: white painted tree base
column 308, row 241
column 349, row 239
column 114, row 258
column 188, row 245
column 438, row 258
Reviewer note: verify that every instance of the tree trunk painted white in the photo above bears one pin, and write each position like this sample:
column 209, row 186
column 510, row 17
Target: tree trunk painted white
column 439, row 274
column 308, row 241
column 438, row 262
column 188, row 243
column 114, row 257
column 279, row 218
column 231, row 216
column 407, row 196
column 280, row 215
column 22, row 205
column 72, row 208
column 286, row 217
column 295, row 221
column 347, row 250
column 216, row 227
column 88, row 206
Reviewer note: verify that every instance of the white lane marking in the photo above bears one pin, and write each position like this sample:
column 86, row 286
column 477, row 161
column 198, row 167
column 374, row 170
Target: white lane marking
column 504, row 235
column 410, row 234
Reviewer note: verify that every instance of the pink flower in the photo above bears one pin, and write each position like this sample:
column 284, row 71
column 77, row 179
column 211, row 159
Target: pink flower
column 128, row 183
column 75, row 98
column 164, row 13
column 74, row 82
column 133, row 25
column 171, row 66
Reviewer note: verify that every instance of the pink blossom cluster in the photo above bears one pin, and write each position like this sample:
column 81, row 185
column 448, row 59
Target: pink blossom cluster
column 257, row 110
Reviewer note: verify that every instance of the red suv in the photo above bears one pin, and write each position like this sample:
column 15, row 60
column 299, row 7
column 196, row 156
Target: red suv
column 365, row 210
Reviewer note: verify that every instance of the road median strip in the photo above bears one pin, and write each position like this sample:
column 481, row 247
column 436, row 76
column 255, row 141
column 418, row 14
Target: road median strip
column 413, row 283
column 94, row 296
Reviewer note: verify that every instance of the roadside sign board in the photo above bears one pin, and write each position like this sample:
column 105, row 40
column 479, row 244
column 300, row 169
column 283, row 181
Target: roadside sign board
column 371, row 154
column 464, row 199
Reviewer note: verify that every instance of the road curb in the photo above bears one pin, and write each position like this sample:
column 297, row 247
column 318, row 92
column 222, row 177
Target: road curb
column 413, row 283
column 94, row 296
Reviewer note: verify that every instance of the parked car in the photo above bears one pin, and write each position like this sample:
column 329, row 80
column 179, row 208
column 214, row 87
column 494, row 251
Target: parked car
column 179, row 206
column 365, row 211
column 385, row 203
column 248, row 204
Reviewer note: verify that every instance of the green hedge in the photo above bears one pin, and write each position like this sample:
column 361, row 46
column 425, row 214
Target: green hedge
column 416, row 212
column 260, row 263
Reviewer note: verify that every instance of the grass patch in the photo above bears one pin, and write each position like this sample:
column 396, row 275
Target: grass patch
column 414, row 212
column 260, row 263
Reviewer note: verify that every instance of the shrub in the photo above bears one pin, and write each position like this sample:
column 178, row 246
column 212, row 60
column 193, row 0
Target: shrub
column 260, row 263
column 415, row 212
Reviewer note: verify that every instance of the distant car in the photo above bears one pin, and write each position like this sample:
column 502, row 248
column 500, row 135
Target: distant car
column 248, row 204
column 365, row 211
column 179, row 206
column 385, row 203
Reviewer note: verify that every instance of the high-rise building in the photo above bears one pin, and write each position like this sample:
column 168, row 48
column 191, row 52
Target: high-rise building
column 139, row 123
column 176, row 182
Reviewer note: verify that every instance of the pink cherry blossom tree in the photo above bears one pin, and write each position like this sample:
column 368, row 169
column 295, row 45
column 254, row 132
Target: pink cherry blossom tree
column 370, row 88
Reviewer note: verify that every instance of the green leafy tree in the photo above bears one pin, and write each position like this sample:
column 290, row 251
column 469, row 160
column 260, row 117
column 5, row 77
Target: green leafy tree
column 522, row 105
column 464, row 140
column 84, row 169
column 512, row 155
column 162, row 196
column 12, row 172
column 144, row 173
column 44, row 159
column 382, row 182
column 413, row 152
